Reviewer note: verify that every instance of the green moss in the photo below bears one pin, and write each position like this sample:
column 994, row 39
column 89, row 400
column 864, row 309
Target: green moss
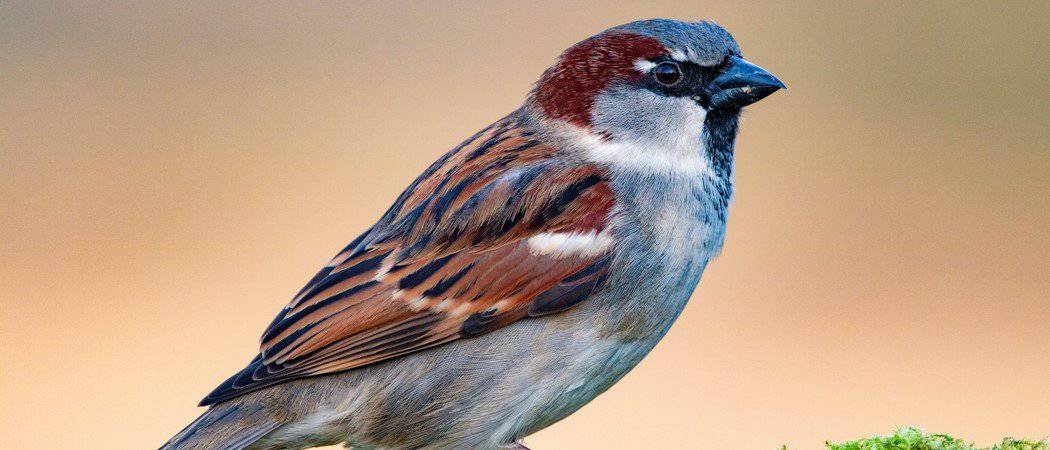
column 910, row 438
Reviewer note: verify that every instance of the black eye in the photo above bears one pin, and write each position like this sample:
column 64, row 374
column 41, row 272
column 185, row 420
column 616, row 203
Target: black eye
column 667, row 73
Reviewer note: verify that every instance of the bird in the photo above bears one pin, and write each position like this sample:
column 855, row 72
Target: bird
column 523, row 273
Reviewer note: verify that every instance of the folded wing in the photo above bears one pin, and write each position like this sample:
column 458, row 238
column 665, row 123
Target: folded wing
column 494, row 232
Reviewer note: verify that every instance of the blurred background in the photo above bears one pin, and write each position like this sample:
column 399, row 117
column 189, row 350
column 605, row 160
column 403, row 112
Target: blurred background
column 170, row 174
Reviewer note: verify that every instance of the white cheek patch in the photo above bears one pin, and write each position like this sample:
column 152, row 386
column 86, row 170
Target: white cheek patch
column 644, row 131
column 562, row 245
column 674, row 149
column 642, row 157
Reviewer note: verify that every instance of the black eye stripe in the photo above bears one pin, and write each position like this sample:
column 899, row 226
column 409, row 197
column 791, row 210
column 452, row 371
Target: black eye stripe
column 692, row 80
column 668, row 73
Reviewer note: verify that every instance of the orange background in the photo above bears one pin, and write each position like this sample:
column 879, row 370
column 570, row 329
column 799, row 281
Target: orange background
column 171, row 174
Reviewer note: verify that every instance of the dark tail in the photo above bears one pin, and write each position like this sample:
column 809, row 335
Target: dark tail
column 226, row 426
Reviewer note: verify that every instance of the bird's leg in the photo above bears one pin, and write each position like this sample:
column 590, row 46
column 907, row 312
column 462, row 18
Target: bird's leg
column 515, row 446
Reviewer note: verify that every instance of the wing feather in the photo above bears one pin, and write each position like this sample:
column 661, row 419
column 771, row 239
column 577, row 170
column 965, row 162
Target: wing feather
column 455, row 257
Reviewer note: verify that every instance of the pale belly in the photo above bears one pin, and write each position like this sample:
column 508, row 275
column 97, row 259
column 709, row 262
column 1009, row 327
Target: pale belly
column 494, row 389
column 477, row 393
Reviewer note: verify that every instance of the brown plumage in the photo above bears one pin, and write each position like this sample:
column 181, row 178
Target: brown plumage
column 449, row 260
column 597, row 205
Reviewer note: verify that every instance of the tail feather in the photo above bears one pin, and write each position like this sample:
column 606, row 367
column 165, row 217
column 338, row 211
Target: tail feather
column 228, row 426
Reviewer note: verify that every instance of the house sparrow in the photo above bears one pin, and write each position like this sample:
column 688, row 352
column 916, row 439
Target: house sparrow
column 523, row 273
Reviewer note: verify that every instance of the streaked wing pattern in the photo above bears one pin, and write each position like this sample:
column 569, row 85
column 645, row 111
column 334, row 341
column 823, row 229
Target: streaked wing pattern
column 493, row 232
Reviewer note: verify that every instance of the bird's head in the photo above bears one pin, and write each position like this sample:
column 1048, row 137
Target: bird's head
column 652, row 83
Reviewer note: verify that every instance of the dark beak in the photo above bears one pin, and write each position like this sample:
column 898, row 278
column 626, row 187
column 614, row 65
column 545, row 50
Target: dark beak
column 741, row 84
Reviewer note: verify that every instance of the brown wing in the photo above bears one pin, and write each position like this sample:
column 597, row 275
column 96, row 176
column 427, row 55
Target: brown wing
column 493, row 232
